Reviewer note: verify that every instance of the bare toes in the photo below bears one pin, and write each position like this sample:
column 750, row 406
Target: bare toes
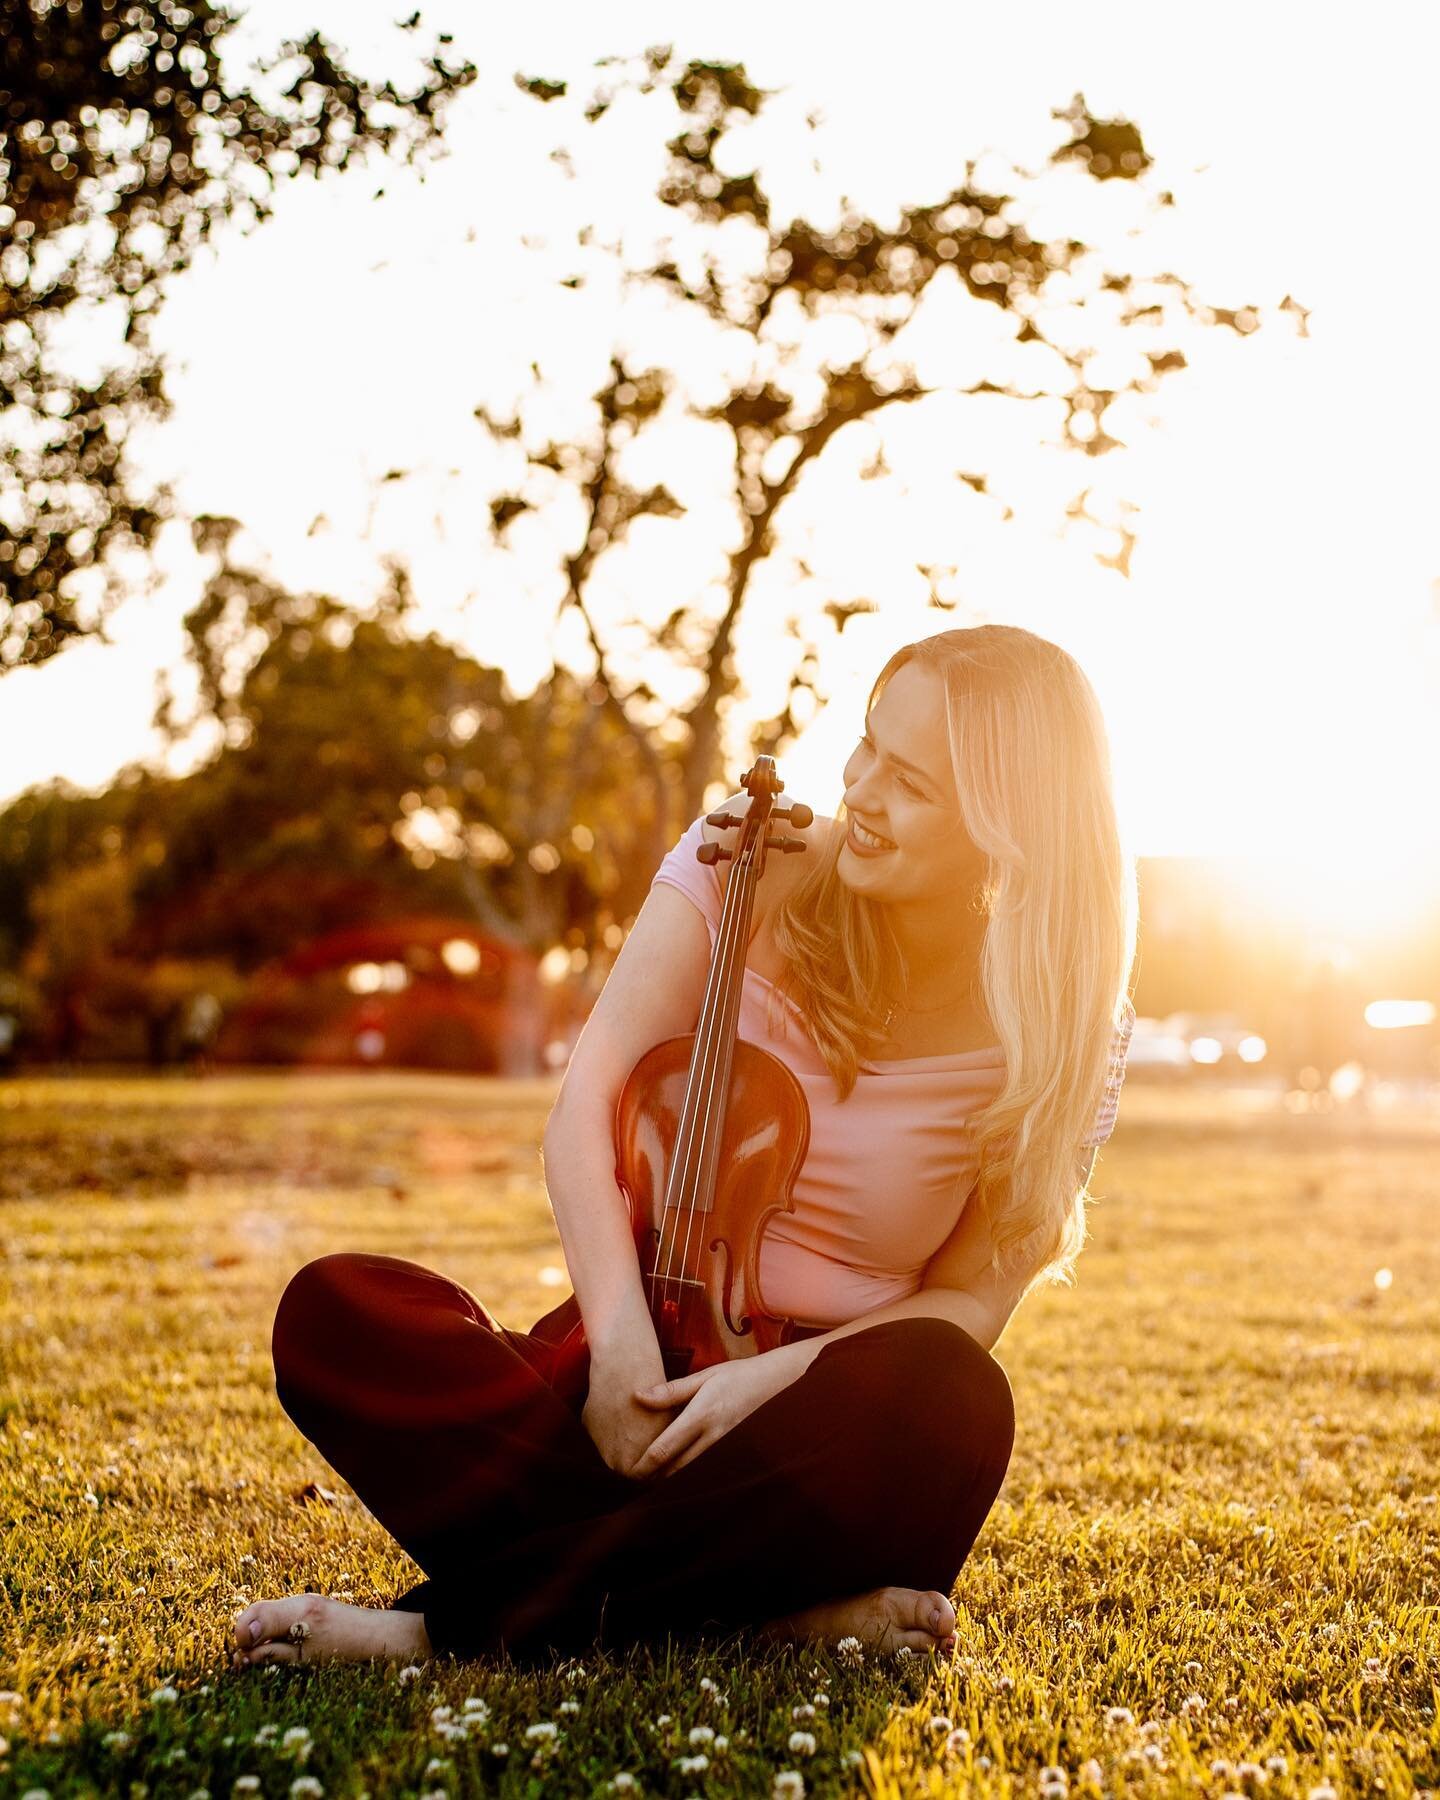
column 276, row 1621
column 919, row 1619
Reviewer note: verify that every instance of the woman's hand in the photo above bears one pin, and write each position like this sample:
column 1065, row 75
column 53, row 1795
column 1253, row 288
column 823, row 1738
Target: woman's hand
column 620, row 1429
column 714, row 1399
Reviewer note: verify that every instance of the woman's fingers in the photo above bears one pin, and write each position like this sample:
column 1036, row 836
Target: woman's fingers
column 672, row 1393
column 700, row 1443
column 670, row 1442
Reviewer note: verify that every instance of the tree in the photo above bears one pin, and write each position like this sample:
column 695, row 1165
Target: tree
column 365, row 774
column 771, row 292
column 122, row 148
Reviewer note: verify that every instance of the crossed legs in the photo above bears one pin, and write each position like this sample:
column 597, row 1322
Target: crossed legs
column 877, row 1466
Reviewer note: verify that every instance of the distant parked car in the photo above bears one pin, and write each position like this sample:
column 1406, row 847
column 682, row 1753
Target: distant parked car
column 1157, row 1053
column 1218, row 1043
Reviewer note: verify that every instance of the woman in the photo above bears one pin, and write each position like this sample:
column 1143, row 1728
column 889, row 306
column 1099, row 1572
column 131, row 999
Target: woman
column 946, row 973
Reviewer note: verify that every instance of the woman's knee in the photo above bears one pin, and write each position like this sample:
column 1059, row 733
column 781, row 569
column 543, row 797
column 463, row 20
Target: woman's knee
column 320, row 1300
column 927, row 1382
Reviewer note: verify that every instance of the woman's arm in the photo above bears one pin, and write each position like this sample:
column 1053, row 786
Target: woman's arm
column 653, row 992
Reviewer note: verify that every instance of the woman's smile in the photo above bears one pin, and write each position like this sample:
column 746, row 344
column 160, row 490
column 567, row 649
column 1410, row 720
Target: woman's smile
column 865, row 842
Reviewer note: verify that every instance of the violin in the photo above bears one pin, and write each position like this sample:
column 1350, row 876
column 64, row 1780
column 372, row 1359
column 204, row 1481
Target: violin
column 710, row 1134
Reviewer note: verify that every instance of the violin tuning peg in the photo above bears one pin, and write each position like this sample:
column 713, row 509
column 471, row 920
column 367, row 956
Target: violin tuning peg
column 713, row 853
column 722, row 819
column 799, row 815
column 785, row 844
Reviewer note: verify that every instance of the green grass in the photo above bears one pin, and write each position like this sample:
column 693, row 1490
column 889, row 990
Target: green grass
column 1224, row 1482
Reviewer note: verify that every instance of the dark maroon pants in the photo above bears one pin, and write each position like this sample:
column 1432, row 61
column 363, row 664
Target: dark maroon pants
column 875, row 1467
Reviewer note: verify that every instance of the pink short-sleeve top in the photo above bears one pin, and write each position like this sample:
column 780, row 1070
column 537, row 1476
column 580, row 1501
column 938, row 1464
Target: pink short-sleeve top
column 888, row 1171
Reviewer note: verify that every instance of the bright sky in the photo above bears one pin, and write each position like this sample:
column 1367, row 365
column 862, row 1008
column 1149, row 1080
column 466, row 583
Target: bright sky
column 1270, row 672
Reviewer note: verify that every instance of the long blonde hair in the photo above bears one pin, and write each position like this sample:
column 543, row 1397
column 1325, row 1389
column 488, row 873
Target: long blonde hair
column 1032, row 771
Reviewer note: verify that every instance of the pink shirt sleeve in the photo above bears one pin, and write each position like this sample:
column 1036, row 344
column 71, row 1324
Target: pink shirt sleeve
column 698, row 881
column 1104, row 1125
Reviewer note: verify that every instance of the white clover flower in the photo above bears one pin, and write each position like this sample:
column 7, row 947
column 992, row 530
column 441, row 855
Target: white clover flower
column 439, row 1793
column 788, row 1784
column 305, row 1787
column 453, row 1731
column 623, row 1782
column 702, row 1734
column 1090, row 1774
column 1231, row 1703
column 267, row 1734
column 91, row 1499
column 1052, row 1775
column 1277, row 1765
column 939, row 1722
column 807, row 1711
column 1323, row 1791
column 1054, row 1790
column 721, row 1745
column 851, row 1759
column 1221, row 1769
column 568, row 1706
column 1154, row 1754
column 36, row 1794
column 298, row 1631
column 849, row 1652
column 956, row 1741
column 439, row 1715
column 801, row 1743
column 475, row 1709
column 984, row 1764
column 1192, row 1705
column 198, row 1794
column 1005, row 1683
column 707, row 1686
column 1152, row 1730
column 821, row 1697
column 164, row 1696
column 903, row 1653
column 246, row 1784
column 662, row 1721
column 437, row 1765
column 296, row 1742
column 500, row 1749
column 692, row 1765
column 1374, row 1673
column 1116, row 1716
column 411, row 1672
column 544, row 1728
column 115, row 1740
column 1249, row 1771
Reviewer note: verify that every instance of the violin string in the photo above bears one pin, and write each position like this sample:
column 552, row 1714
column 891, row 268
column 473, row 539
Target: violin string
column 725, row 1022
column 711, row 1009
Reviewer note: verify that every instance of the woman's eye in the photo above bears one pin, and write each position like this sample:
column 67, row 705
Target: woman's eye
column 908, row 785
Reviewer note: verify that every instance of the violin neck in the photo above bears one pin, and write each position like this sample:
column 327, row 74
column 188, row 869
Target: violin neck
column 702, row 1118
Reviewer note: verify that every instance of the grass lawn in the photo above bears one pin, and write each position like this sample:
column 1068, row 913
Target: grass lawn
column 1214, row 1566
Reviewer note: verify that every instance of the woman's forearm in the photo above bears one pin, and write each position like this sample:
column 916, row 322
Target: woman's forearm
column 594, row 1225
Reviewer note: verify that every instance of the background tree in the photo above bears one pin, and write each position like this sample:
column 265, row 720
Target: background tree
column 366, row 773
column 121, row 149
column 811, row 325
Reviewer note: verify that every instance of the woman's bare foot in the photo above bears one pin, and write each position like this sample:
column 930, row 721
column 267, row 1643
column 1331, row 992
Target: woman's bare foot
column 885, row 1619
column 308, row 1628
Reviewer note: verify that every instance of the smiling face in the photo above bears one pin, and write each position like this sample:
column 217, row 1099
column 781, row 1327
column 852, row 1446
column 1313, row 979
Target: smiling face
column 899, row 784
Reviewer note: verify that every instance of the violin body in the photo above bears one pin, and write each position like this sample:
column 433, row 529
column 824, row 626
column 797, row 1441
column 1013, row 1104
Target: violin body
column 705, row 1294
column 710, row 1134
